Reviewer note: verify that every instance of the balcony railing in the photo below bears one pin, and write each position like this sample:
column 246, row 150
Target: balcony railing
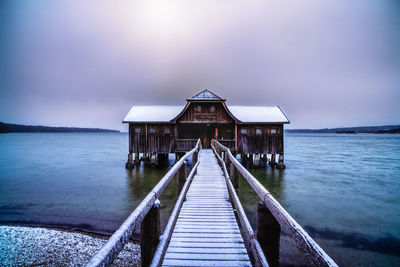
column 184, row 145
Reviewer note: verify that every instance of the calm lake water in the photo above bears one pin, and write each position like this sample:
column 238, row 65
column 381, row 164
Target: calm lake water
column 343, row 189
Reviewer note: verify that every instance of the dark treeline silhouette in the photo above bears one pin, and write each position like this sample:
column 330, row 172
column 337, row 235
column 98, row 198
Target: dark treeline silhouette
column 16, row 128
column 352, row 130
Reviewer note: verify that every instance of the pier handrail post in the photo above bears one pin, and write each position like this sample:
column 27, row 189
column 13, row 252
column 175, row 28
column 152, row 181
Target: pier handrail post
column 268, row 234
column 181, row 176
column 234, row 175
column 150, row 231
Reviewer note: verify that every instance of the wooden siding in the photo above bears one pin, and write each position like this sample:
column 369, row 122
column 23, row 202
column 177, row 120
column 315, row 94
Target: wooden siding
column 203, row 112
column 260, row 139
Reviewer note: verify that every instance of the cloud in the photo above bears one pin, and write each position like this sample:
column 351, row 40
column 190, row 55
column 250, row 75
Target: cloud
column 329, row 63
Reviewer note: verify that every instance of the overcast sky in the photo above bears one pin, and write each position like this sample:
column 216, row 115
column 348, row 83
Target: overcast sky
column 85, row 63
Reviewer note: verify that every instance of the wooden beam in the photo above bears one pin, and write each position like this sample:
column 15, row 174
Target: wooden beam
column 236, row 138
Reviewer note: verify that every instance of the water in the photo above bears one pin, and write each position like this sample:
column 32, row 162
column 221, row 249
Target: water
column 343, row 189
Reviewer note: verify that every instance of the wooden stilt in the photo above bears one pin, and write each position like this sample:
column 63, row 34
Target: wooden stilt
column 137, row 160
column 273, row 160
column 268, row 234
column 129, row 164
column 251, row 160
column 280, row 165
column 257, row 160
column 153, row 159
column 150, row 231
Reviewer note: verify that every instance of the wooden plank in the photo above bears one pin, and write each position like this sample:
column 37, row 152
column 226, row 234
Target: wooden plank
column 208, row 250
column 207, row 256
column 205, row 245
column 205, row 235
column 173, row 262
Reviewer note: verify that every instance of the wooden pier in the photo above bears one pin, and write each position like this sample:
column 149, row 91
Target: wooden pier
column 208, row 226
column 206, row 232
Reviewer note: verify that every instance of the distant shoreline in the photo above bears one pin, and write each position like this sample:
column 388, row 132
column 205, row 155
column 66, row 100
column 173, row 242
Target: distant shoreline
column 17, row 128
column 386, row 129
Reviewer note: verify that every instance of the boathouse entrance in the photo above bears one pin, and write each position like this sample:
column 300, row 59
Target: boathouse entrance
column 205, row 131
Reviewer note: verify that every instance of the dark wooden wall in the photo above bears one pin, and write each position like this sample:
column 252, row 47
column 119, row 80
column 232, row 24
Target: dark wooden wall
column 260, row 139
column 160, row 138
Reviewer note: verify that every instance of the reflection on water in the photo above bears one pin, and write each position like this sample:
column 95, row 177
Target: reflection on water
column 343, row 189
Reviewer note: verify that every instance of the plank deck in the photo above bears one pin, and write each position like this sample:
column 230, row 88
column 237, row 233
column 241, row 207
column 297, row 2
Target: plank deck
column 206, row 232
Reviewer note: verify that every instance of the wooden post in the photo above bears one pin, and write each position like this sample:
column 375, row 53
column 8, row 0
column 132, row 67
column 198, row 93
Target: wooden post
column 150, row 231
column 137, row 160
column 257, row 160
column 273, row 160
column 129, row 164
column 181, row 177
column 236, row 145
column 234, row 174
column 251, row 160
column 195, row 158
column 268, row 234
column 280, row 165
column 226, row 159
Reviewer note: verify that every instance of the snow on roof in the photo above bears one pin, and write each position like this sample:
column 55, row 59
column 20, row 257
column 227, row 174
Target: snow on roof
column 152, row 113
column 271, row 114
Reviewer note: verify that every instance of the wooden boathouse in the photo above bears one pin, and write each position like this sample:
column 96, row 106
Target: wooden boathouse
column 254, row 132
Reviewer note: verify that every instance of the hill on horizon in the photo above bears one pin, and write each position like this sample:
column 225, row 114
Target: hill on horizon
column 17, row 128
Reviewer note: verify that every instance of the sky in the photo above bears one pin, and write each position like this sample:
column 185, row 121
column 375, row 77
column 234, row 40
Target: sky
column 328, row 63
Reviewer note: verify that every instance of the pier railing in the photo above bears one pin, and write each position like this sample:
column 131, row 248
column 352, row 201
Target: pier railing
column 271, row 216
column 147, row 216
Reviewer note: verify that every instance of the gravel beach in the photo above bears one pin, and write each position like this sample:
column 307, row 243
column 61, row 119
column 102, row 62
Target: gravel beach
column 38, row 246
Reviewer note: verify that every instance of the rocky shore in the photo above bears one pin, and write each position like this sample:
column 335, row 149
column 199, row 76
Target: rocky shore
column 38, row 246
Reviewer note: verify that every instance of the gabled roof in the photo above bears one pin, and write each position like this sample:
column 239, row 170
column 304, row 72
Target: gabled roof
column 206, row 95
column 244, row 114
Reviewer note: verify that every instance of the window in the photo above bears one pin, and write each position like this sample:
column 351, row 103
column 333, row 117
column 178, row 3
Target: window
column 167, row 130
column 198, row 108
column 138, row 130
column 212, row 108
column 243, row 131
column 258, row 131
column 273, row 131
column 152, row 130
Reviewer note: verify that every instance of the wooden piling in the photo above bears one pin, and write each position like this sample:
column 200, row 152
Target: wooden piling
column 273, row 160
column 137, row 160
column 280, row 165
column 268, row 234
column 150, row 232
column 129, row 164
